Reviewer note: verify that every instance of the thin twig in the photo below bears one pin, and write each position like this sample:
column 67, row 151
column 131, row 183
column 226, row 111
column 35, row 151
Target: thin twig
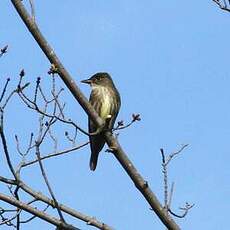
column 18, row 210
column 175, row 153
column 34, row 216
column 36, row 90
column 48, row 185
column 165, row 174
column 171, row 195
column 12, row 93
column 185, row 209
column 30, row 104
column 18, row 146
column 58, row 104
column 38, row 143
column 3, row 50
column 30, row 144
column 222, row 6
column 168, row 198
column 54, row 139
column 4, row 143
column 55, row 154
column 120, row 124
column 8, row 221
column 4, row 89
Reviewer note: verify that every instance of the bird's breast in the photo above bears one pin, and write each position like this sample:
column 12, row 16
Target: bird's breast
column 105, row 100
column 106, row 104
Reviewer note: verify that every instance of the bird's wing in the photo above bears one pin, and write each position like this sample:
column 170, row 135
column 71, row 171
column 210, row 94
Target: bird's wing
column 114, row 110
column 96, row 141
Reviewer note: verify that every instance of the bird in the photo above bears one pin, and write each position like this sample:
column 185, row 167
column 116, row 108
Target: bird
column 106, row 101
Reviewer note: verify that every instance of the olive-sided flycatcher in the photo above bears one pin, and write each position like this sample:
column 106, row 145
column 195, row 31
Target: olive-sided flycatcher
column 106, row 101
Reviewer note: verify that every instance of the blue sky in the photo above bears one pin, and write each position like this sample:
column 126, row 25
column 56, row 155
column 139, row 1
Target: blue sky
column 170, row 62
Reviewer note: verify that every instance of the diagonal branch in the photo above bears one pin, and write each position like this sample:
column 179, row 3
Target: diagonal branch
column 112, row 142
column 222, row 5
column 39, row 196
column 34, row 211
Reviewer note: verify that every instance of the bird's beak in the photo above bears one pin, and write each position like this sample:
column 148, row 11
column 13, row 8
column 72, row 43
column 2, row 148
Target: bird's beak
column 87, row 81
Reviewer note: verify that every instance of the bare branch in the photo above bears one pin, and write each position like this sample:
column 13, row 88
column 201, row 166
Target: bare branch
column 54, row 139
column 185, row 209
column 175, row 153
column 55, row 154
column 165, row 174
column 16, row 195
column 222, row 5
column 30, row 143
column 4, row 89
column 39, row 196
column 120, row 124
column 12, row 93
column 3, row 50
column 34, row 211
column 71, row 139
column 48, row 184
column 4, row 143
column 171, row 195
column 17, row 146
column 8, row 221
column 31, row 105
column 168, row 198
column 36, row 90
column 33, row 216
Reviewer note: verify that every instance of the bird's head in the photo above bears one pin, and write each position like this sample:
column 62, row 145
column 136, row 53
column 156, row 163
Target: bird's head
column 100, row 79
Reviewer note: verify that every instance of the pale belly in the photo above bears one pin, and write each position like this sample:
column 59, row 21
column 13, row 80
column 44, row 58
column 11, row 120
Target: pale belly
column 106, row 108
column 107, row 105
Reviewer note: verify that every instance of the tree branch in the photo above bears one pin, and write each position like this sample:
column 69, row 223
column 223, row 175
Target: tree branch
column 3, row 50
column 34, row 211
column 39, row 196
column 4, row 89
column 112, row 142
column 48, row 184
column 185, row 209
column 222, row 5
column 3, row 139
column 54, row 154
column 168, row 196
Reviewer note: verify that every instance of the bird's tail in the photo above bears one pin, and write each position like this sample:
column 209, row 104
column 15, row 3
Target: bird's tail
column 96, row 144
column 93, row 161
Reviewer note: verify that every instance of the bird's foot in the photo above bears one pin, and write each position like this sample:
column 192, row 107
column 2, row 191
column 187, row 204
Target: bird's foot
column 111, row 149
